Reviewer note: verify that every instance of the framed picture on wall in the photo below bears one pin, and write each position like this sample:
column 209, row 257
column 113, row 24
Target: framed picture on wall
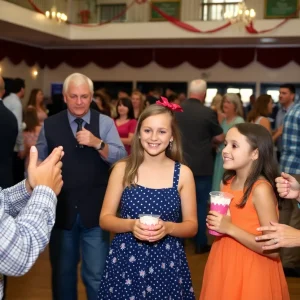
column 276, row 9
column 170, row 7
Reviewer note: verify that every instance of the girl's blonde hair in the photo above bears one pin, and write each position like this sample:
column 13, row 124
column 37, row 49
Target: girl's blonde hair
column 135, row 159
column 142, row 100
column 216, row 102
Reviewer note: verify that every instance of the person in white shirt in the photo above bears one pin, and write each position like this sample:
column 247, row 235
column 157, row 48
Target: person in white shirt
column 14, row 104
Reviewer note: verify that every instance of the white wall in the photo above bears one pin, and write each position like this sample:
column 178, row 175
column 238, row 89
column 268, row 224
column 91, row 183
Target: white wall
column 254, row 72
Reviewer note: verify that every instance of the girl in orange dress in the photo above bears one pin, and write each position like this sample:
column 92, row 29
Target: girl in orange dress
column 237, row 267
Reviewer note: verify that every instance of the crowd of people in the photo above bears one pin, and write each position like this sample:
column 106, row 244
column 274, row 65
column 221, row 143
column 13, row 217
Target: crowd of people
column 96, row 168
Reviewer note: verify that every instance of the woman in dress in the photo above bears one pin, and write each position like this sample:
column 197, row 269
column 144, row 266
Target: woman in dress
column 36, row 100
column 125, row 122
column 31, row 132
column 137, row 103
column 100, row 104
column 261, row 111
column 232, row 109
column 148, row 261
column 238, row 268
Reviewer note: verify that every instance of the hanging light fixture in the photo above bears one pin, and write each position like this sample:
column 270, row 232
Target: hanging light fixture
column 243, row 15
column 56, row 15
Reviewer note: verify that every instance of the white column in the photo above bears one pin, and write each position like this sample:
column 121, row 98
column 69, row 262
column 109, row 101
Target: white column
column 257, row 89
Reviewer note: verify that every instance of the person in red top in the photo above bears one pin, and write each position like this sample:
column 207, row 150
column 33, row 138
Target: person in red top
column 125, row 122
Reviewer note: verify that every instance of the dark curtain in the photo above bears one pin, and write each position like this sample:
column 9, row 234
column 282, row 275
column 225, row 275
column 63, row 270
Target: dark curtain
column 201, row 58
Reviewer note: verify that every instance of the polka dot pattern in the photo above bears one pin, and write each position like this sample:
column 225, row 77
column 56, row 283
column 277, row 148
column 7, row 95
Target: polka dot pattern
column 140, row 270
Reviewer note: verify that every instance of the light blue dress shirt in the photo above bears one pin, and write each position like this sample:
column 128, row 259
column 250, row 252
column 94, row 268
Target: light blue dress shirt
column 108, row 134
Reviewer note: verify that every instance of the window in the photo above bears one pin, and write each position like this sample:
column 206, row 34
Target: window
column 272, row 89
column 210, row 94
column 245, row 93
column 107, row 12
column 274, row 94
column 213, row 10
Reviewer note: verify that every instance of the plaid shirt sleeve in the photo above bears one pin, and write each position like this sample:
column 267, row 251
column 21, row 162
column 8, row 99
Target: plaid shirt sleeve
column 290, row 158
column 25, row 235
column 15, row 198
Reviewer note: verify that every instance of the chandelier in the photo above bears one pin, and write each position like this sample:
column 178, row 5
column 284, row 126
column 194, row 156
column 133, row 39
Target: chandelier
column 56, row 15
column 243, row 14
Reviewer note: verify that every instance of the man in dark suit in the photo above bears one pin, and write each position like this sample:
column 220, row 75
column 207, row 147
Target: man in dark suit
column 8, row 136
column 200, row 129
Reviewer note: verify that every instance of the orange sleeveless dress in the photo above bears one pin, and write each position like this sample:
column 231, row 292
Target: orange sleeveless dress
column 234, row 272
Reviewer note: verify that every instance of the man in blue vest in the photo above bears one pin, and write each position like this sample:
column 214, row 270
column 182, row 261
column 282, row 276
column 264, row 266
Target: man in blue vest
column 91, row 143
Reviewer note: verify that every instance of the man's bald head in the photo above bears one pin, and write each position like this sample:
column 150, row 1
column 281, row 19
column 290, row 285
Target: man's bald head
column 2, row 87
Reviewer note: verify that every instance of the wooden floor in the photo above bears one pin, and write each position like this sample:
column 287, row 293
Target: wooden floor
column 36, row 284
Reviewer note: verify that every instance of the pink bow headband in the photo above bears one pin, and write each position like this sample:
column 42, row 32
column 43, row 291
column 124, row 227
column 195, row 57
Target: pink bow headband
column 172, row 106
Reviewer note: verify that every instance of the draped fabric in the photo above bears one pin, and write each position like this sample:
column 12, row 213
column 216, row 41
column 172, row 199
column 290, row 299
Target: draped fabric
column 201, row 58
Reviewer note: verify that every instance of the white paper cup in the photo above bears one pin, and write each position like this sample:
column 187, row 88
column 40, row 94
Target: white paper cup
column 149, row 219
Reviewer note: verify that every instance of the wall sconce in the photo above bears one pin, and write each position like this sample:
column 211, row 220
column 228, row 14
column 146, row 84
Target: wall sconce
column 0, row 69
column 35, row 73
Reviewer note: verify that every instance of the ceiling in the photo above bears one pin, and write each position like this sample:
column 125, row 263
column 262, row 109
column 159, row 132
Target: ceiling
column 19, row 34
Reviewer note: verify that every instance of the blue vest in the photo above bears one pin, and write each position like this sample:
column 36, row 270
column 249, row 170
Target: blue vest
column 85, row 173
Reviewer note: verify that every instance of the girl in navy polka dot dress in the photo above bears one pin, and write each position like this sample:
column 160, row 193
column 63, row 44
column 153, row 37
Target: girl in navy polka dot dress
column 148, row 261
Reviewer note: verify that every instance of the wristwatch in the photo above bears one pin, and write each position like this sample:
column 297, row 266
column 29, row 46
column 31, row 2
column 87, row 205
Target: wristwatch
column 100, row 146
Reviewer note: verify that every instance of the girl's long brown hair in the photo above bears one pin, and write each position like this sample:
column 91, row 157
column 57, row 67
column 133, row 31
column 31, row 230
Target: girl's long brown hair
column 135, row 159
column 260, row 108
column 31, row 119
column 32, row 99
column 258, row 138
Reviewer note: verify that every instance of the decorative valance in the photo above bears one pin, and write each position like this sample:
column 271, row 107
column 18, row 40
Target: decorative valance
column 201, row 58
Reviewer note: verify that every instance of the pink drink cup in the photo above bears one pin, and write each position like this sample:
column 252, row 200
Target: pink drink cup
column 220, row 208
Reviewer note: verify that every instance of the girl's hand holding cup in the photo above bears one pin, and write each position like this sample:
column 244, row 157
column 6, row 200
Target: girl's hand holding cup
column 140, row 230
column 219, row 223
column 217, row 220
column 155, row 228
column 158, row 231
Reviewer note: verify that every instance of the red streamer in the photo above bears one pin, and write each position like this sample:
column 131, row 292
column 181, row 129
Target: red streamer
column 186, row 26
column 116, row 17
column 35, row 7
column 250, row 27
